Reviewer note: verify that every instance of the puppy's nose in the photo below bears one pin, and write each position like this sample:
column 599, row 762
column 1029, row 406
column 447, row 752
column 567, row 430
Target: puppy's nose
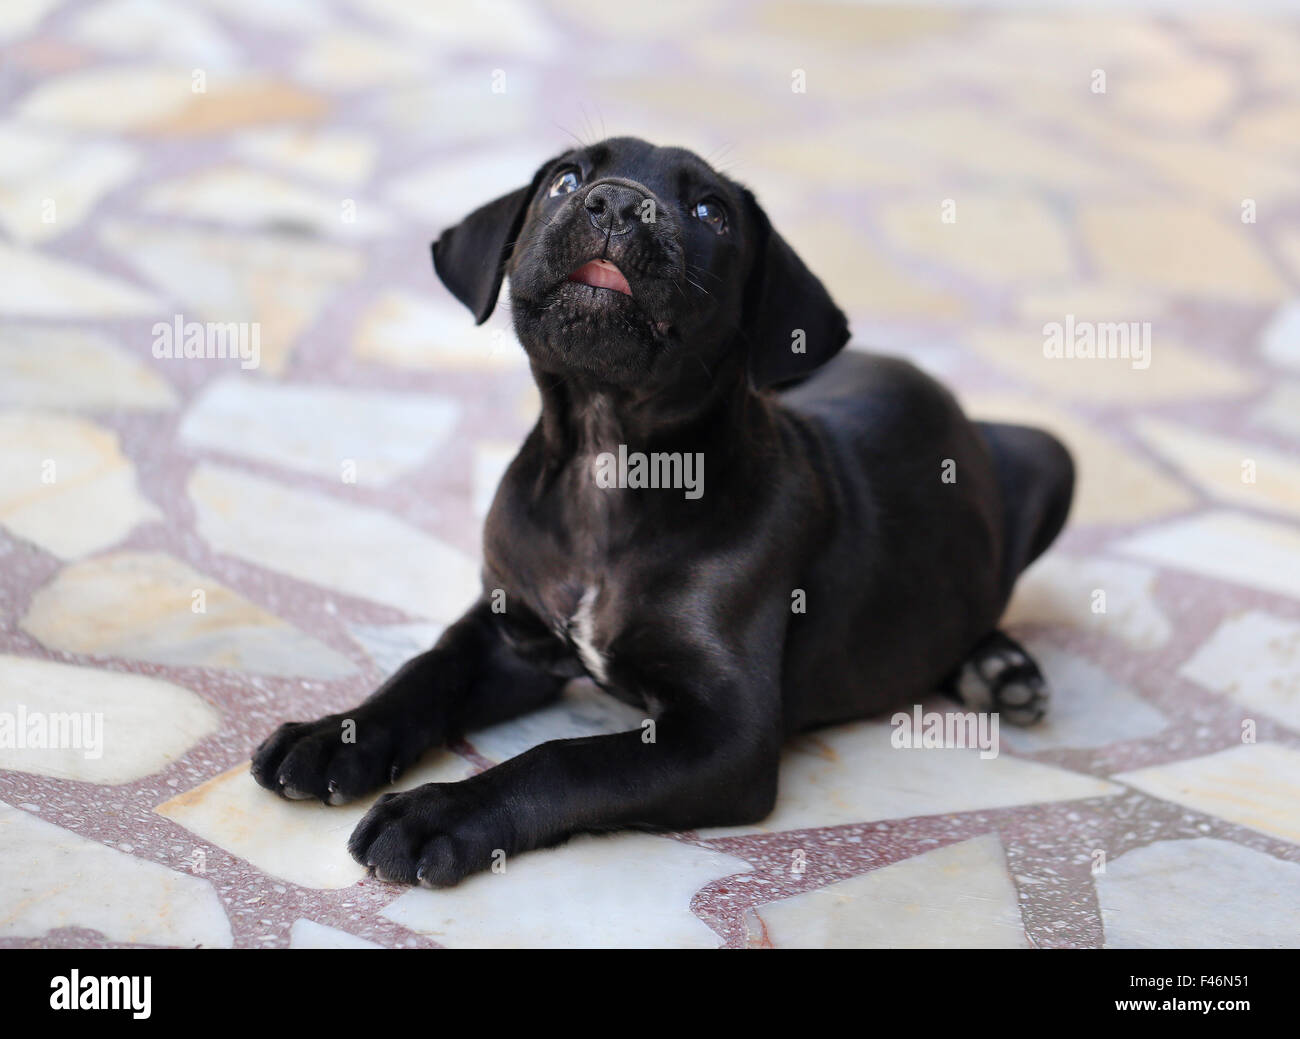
column 614, row 208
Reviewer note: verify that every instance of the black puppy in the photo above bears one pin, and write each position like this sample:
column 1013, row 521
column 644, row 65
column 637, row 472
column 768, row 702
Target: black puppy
column 853, row 547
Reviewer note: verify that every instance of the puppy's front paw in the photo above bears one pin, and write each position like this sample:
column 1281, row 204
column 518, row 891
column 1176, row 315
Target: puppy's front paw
column 433, row 835
column 334, row 759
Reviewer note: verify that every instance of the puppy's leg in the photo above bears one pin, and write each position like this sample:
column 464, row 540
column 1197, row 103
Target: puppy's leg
column 469, row 679
column 701, row 765
column 1000, row 675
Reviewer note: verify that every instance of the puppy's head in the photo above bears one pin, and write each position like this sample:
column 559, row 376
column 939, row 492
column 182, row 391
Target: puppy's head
column 633, row 265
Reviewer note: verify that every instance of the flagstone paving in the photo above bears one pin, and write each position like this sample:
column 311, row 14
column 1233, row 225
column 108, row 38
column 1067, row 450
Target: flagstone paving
column 194, row 549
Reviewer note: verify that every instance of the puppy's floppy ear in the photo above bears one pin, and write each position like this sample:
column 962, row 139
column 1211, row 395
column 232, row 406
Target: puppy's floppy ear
column 783, row 298
column 470, row 258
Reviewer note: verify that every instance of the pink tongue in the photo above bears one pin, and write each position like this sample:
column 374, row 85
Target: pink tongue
column 603, row 275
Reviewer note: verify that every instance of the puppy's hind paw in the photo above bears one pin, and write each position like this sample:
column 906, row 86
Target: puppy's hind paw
column 1000, row 676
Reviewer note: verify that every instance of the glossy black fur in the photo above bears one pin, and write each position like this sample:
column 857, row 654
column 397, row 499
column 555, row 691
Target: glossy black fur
column 829, row 492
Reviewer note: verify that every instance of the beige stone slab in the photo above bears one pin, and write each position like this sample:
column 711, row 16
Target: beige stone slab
column 354, row 549
column 1253, row 657
column 308, row 934
column 1113, row 483
column 348, row 435
column 999, row 238
column 852, row 774
column 956, row 897
column 149, row 606
column 1237, row 472
column 331, row 156
column 1226, row 546
column 52, row 879
column 1279, row 340
column 143, row 724
column 1280, row 410
column 1256, row 785
column 56, row 471
column 402, row 330
column 76, row 369
column 303, row 842
column 1199, row 894
column 1178, row 248
column 21, row 16
column 277, row 281
column 162, row 99
column 635, row 892
column 1089, row 707
column 51, row 182
column 860, row 278
column 351, row 59
column 234, row 194
column 35, row 285
column 1091, row 594
column 140, row 29
column 1156, row 369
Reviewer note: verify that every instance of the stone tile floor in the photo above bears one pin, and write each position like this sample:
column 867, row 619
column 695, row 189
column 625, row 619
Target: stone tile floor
column 196, row 551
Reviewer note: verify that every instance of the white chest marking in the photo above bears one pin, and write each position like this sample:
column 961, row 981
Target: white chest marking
column 582, row 629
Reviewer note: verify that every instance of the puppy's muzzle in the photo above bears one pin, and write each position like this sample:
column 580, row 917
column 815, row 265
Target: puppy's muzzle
column 615, row 207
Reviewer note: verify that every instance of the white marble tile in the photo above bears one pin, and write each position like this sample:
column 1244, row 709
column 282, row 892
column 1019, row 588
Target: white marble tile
column 308, row 934
column 634, row 891
column 1199, row 894
column 18, row 17
column 852, row 774
column 149, row 606
column 50, row 181
column 57, row 471
column 1279, row 341
column 331, row 156
column 75, row 369
column 1254, row 658
column 137, row 725
column 348, row 548
column 582, row 710
column 392, row 645
column 1280, row 410
column 1255, row 785
column 35, row 285
column 237, row 195
column 403, row 330
column 349, row 435
column 1115, row 484
column 1089, row 708
column 491, row 460
column 446, row 190
column 303, row 842
column 140, row 29
column 51, row 878
column 276, row 280
column 1238, row 472
column 955, row 897
column 352, row 59
column 1226, row 546
column 501, row 27
column 111, row 98
column 284, row 15
column 1063, row 590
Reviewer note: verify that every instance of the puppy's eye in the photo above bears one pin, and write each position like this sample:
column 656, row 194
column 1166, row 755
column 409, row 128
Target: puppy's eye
column 710, row 211
column 565, row 183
